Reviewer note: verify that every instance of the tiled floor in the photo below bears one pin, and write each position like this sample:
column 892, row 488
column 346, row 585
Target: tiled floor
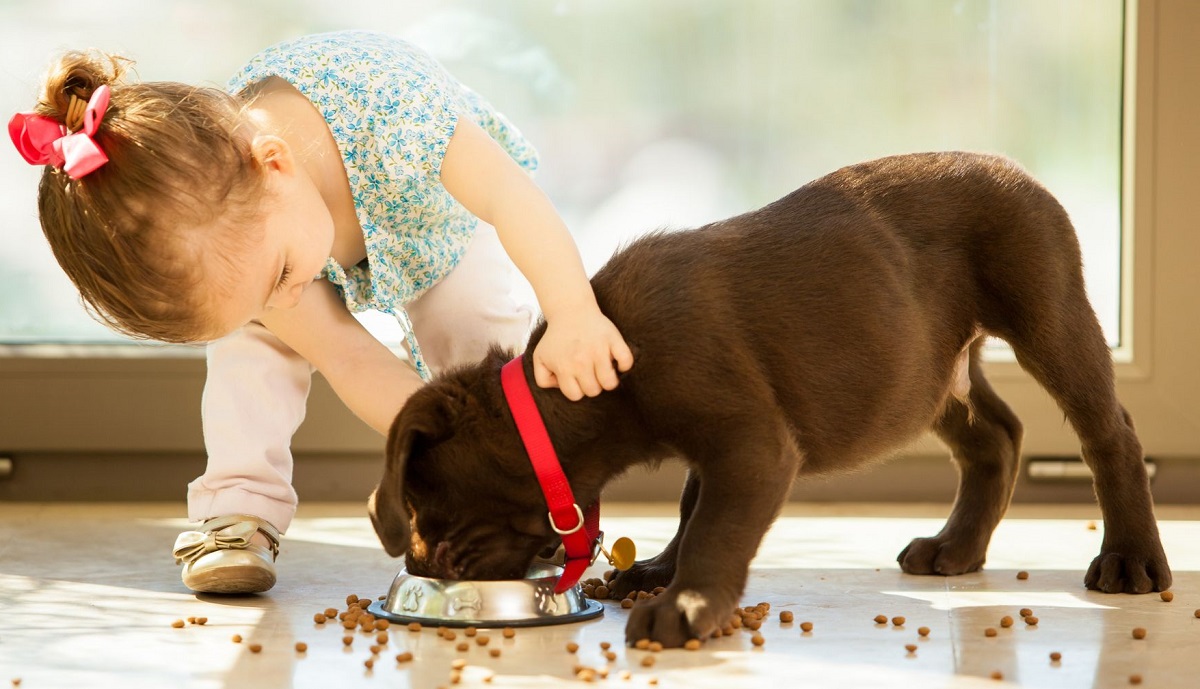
column 88, row 594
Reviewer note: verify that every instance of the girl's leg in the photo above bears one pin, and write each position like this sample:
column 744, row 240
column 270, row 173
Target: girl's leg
column 254, row 400
column 476, row 305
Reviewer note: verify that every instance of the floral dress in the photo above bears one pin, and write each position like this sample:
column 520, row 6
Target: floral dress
column 392, row 109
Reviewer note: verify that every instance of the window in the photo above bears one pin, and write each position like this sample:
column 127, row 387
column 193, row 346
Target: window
column 671, row 114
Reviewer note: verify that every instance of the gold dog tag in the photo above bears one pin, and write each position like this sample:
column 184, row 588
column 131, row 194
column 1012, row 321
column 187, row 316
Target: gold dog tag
column 624, row 552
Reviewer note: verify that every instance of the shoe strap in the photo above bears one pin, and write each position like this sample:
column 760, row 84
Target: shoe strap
column 229, row 532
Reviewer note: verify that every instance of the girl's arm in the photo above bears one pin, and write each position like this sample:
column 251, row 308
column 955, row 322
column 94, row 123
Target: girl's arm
column 577, row 352
column 372, row 381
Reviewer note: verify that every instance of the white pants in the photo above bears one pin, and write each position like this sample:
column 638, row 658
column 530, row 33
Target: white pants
column 257, row 387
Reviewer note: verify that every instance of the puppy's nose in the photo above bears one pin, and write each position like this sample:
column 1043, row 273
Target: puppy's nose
column 441, row 556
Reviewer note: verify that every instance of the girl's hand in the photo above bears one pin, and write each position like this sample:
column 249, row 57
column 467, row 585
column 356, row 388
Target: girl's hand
column 576, row 355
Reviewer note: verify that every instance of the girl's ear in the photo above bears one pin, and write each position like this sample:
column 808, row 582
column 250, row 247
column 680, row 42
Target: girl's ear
column 272, row 153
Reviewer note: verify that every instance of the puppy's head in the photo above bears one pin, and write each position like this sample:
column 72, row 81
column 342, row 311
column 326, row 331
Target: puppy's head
column 458, row 494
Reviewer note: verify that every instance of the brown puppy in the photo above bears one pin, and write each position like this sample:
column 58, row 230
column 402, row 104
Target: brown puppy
column 814, row 335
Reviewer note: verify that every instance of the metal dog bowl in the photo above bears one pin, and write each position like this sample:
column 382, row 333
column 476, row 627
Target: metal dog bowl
column 528, row 602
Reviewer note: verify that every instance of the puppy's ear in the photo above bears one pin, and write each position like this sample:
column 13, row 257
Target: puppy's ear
column 429, row 413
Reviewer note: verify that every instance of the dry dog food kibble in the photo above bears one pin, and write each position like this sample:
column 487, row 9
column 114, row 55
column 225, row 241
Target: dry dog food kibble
column 369, row 663
column 610, row 656
column 404, row 657
column 178, row 624
column 1006, row 621
column 470, row 631
column 1167, row 596
column 1197, row 613
column 880, row 619
column 351, row 599
column 494, row 652
column 923, row 631
column 898, row 621
column 381, row 638
column 572, row 647
column 1139, row 633
column 462, row 647
column 1022, row 575
column 201, row 620
column 996, row 674
column 301, row 647
column 191, row 620
column 414, row 626
column 1026, row 612
column 1031, row 621
column 375, row 649
column 604, row 645
column 1135, row 679
column 757, row 639
column 647, row 661
column 627, row 604
column 319, row 618
column 786, row 616
column 347, row 640
column 509, row 632
column 382, row 624
column 237, row 638
column 483, row 639
column 255, row 648
column 1056, row 656
column 331, row 612
column 642, row 644
column 655, row 647
column 806, row 626
column 458, row 664
column 990, row 631
column 692, row 644
column 911, row 648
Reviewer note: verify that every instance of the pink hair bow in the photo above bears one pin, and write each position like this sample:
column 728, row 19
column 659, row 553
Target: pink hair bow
column 46, row 141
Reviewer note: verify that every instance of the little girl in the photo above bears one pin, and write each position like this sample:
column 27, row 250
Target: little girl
column 347, row 171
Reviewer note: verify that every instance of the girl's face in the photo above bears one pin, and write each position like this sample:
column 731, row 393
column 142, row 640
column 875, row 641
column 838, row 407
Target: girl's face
column 296, row 241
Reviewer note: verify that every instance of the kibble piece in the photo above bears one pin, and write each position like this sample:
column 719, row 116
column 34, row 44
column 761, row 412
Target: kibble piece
column 1135, row 679
column 351, row 599
column 642, row 644
column 319, row 618
column 1167, row 596
column 601, row 592
column 692, row 644
column 587, row 674
column 255, row 648
column 656, row 647
column 757, row 639
column 1031, row 621
column 449, row 635
column 996, row 674
column 923, row 631
column 604, row 645
column 911, row 648
column 382, row 638
column 404, row 657
column 349, row 623
column 331, row 612
column 483, row 639
column 1091, row 526
column 880, row 619
column 572, row 647
column 753, row 624
column 369, row 663
column 625, row 674
column 347, row 640
column 364, row 603
column 470, row 631
column 1026, row 612
column 647, row 661
column 786, row 616
column 1056, row 656
column 990, row 631
column 1197, row 613
column 806, row 626
column 382, row 624
column 237, row 638
column 610, row 656
column 191, row 620
column 375, row 649
column 494, row 652
column 1139, row 633
column 462, row 647
column 178, row 624
column 201, row 620
column 1022, row 575
column 509, row 632
column 301, row 647
column 898, row 621
column 652, row 681
column 414, row 626
column 1006, row 621
column 458, row 664
column 627, row 604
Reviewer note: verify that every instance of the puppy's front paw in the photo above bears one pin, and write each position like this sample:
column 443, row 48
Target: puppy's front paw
column 1129, row 573
column 644, row 575
column 939, row 556
column 673, row 617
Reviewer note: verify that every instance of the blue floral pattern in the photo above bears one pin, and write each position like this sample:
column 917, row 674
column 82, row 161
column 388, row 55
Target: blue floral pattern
column 392, row 109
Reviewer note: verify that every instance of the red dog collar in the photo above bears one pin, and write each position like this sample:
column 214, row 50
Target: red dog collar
column 579, row 530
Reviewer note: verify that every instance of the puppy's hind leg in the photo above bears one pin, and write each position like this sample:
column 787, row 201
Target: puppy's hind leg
column 646, row 575
column 984, row 437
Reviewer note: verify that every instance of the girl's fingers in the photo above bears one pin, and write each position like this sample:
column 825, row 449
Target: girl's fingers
column 543, row 376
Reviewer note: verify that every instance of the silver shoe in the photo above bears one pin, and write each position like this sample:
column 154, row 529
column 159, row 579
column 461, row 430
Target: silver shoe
column 219, row 557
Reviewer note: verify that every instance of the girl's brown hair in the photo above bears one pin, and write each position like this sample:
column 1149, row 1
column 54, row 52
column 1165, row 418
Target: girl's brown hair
column 126, row 233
